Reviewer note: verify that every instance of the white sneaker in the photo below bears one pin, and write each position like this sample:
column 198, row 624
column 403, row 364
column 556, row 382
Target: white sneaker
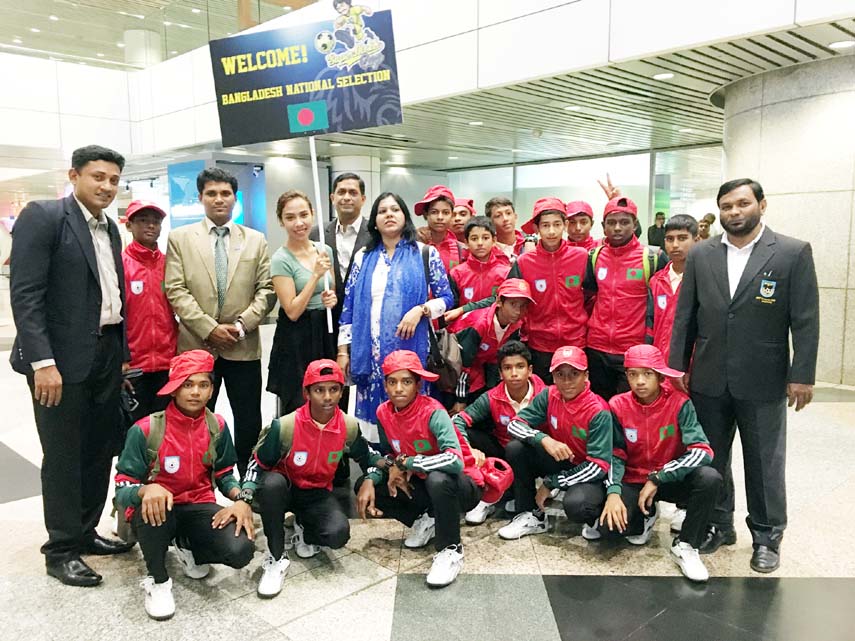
column 478, row 514
column 592, row 532
column 523, row 524
column 159, row 604
column 304, row 550
column 689, row 561
column 511, row 506
column 188, row 563
column 446, row 566
column 677, row 521
column 423, row 530
column 644, row 537
column 272, row 575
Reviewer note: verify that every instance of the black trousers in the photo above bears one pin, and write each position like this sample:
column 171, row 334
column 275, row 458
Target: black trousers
column 529, row 462
column 606, row 373
column 698, row 490
column 486, row 442
column 77, row 438
column 145, row 391
column 190, row 524
column 243, row 385
column 540, row 362
column 444, row 496
column 763, row 433
column 317, row 510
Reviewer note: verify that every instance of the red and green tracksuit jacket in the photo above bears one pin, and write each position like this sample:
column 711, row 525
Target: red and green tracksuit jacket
column 150, row 321
column 313, row 457
column 588, row 244
column 584, row 424
column 423, row 432
column 476, row 334
column 451, row 251
column 476, row 279
column 663, row 310
column 664, row 437
column 558, row 315
column 619, row 317
column 182, row 453
column 495, row 405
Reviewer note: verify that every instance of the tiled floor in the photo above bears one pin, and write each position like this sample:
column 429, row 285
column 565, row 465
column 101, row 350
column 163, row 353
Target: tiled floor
column 549, row 587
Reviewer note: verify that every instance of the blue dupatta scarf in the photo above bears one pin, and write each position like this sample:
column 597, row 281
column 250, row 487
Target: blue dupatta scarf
column 406, row 287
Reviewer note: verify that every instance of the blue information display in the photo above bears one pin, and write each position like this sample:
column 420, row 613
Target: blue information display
column 310, row 79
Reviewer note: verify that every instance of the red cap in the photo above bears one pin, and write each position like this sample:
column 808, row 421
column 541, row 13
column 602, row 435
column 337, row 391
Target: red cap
column 137, row 206
column 650, row 357
column 621, row 204
column 542, row 205
column 577, row 207
column 183, row 366
column 569, row 355
column 405, row 359
column 314, row 372
column 514, row 288
column 465, row 202
column 437, row 191
column 498, row 478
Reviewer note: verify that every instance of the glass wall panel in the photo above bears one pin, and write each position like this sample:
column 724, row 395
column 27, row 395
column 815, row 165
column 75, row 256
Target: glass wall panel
column 687, row 181
column 482, row 184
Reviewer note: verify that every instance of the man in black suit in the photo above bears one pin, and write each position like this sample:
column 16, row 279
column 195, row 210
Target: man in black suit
column 744, row 294
column 67, row 301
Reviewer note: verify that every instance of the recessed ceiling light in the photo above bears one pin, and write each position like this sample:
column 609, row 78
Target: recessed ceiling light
column 172, row 53
column 476, row 123
column 398, row 136
column 686, row 130
column 166, row 23
column 572, row 108
column 17, row 41
column 34, row 30
column 100, row 55
column 53, row 18
column 183, row 26
column 335, row 144
column 842, row 44
column 83, row 63
column 196, row 10
column 453, row 157
column 663, row 76
column 120, row 45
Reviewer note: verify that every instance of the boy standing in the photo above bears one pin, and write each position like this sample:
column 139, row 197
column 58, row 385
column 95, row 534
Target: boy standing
column 437, row 206
column 486, row 267
column 660, row 453
column 165, row 481
column 509, row 239
column 464, row 210
column 580, row 221
column 151, row 325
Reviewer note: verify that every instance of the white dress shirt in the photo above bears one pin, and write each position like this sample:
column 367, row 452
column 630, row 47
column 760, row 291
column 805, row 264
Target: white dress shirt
column 345, row 241
column 111, row 300
column 674, row 278
column 737, row 258
column 518, row 407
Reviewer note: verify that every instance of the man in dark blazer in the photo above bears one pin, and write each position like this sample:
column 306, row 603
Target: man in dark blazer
column 744, row 294
column 67, row 301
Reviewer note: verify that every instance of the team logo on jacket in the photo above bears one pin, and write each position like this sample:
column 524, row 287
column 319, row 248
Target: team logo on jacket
column 136, row 287
column 571, row 281
column 171, row 464
column 468, row 293
column 602, row 272
column 767, row 288
column 553, row 421
column 631, row 434
column 484, row 347
column 665, row 431
column 300, row 458
column 504, row 420
column 396, row 445
column 334, row 457
column 540, row 285
column 421, row 445
column 662, row 301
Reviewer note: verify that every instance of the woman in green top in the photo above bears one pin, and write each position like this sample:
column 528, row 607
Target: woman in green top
column 298, row 270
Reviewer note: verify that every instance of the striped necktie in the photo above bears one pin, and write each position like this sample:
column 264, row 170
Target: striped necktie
column 221, row 266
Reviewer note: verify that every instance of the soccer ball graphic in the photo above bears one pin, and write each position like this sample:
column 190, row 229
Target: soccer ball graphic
column 324, row 42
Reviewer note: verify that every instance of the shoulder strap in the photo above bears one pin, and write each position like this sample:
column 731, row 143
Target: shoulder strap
column 650, row 263
column 156, row 429
column 426, row 265
column 210, row 456
column 352, row 427
column 286, row 433
column 595, row 253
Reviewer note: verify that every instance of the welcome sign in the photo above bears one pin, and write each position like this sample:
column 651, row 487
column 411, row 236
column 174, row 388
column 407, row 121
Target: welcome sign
column 306, row 80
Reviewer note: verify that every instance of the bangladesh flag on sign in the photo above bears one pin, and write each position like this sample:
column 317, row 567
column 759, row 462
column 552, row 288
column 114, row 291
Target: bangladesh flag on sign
column 334, row 457
column 308, row 116
column 634, row 274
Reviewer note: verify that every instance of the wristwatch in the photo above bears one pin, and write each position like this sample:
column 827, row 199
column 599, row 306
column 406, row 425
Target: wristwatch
column 653, row 477
column 246, row 495
column 400, row 462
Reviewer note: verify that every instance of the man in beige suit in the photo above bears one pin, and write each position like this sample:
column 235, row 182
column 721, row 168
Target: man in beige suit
column 218, row 283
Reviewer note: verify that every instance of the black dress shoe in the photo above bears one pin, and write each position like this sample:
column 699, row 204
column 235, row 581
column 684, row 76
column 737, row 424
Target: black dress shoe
column 715, row 538
column 75, row 572
column 103, row 546
column 765, row 559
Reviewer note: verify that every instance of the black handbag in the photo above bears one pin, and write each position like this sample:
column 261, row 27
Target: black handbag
column 444, row 357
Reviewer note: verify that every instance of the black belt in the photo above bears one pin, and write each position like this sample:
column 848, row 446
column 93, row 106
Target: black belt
column 108, row 330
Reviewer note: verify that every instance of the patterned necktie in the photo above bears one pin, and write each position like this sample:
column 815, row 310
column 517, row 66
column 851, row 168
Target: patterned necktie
column 221, row 266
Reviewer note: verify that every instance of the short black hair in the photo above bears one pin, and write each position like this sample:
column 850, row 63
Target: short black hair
column 730, row 185
column 349, row 175
column 90, row 153
column 215, row 175
column 513, row 348
column 409, row 231
column 660, row 213
column 497, row 201
column 479, row 222
column 682, row 222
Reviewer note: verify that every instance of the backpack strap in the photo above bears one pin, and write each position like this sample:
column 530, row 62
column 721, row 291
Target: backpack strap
column 595, row 253
column 286, row 433
column 426, row 265
column 210, row 456
column 156, row 429
column 650, row 263
column 352, row 426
